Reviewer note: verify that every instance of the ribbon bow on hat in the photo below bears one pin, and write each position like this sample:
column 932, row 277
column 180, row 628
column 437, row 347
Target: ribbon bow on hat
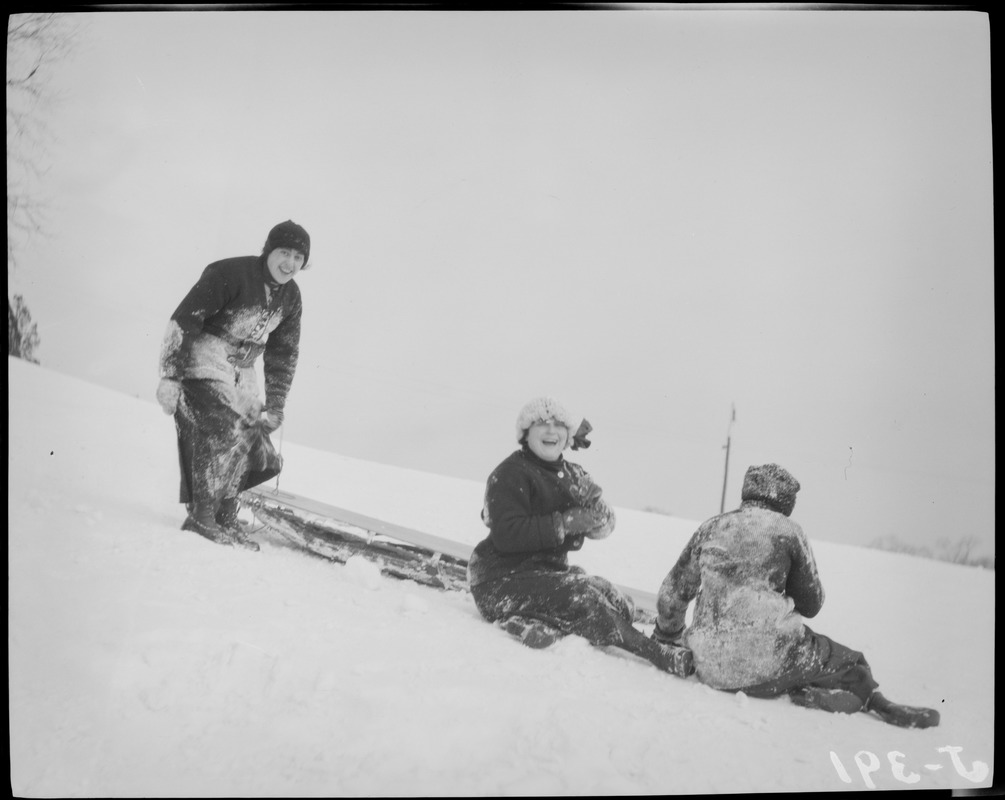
column 579, row 440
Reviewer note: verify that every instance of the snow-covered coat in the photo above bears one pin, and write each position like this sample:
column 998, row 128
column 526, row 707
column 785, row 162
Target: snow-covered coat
column 234, row 314
column 752, row 575
column 525, row 497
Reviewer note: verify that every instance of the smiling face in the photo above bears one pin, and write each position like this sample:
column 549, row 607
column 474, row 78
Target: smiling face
column 547, row 439
column 284, row 263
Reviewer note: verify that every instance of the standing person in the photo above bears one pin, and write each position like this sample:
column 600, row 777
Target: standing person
column 239, row 309
column 538, row 507
column 753, row 577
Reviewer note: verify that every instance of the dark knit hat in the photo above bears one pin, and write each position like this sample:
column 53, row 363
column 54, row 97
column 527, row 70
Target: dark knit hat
column 771, row 484
column 288, row 234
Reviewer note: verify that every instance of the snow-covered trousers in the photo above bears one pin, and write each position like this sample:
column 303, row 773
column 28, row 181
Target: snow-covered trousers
column 820, row 661
column 572, row 601
column 221, row 452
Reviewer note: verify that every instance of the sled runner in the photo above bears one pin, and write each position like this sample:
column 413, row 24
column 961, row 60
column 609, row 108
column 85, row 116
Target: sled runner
column 339, row 534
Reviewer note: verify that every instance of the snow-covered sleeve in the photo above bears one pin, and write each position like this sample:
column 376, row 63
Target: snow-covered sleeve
column 680, row 586
column 513, row 527
column 203, row 300
column 282, row 351
column 803, row 583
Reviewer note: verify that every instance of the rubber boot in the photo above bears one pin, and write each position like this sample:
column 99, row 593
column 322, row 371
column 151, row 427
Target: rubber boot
column 226, row 518
column 837, row 701
column 902, row 716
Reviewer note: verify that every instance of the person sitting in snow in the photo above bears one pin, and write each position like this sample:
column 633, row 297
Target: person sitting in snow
column 538, row 507
column 239, row 309
column 753, row 578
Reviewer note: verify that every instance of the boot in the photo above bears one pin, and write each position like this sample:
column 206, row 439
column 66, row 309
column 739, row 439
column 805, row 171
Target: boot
column 669, row 653
column 226, row 518
column 673, row 658
column 226, row 514
column 902, row 716
column 531, row 632
column 201, row 519
column 837, row 701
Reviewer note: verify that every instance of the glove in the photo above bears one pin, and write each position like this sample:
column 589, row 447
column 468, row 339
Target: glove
column 168, row 392
column 271, row 419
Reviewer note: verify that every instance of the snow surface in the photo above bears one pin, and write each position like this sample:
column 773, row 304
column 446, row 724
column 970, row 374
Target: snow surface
column 146, row 661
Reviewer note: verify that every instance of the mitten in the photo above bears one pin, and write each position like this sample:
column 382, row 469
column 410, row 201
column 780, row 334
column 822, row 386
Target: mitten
column 271, row 419
column 578, row 520
column 586, row 491
column 574, row 541
column 605, row 520
column 168, row 392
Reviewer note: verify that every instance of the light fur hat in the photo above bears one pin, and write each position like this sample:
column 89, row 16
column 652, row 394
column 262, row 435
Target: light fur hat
column 544, row 408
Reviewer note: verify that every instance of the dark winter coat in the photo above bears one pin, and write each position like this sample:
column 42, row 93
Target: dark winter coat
column 524, row 499
column 752, row 574
column 234, row 314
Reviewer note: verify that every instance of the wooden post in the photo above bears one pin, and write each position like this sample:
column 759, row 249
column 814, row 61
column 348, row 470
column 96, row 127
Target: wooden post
column 725, row 475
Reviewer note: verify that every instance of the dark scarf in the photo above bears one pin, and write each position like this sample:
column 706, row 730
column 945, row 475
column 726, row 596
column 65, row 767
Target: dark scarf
column 555, row 466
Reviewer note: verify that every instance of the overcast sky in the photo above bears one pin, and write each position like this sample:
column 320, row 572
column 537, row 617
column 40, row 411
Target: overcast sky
column 651, row 215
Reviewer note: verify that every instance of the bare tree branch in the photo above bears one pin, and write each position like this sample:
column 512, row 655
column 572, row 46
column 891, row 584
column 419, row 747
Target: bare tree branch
column 35, row 44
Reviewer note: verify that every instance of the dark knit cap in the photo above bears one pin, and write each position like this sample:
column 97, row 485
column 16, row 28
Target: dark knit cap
column 772, row 485
column 288, row 234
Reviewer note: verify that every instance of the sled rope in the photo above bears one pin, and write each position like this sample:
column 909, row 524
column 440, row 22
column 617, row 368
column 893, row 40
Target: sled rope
column 280, row 455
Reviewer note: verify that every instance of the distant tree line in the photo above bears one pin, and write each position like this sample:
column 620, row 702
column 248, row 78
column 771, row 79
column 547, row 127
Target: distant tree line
column 960, row 551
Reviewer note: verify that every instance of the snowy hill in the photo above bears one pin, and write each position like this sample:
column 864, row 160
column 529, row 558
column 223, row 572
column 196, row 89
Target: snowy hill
column 146, row 661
